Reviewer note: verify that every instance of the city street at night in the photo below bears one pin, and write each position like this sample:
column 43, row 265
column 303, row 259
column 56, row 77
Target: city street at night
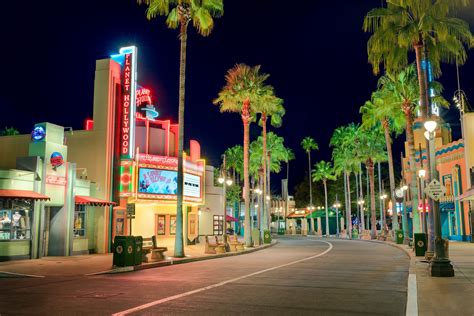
column 296, row 276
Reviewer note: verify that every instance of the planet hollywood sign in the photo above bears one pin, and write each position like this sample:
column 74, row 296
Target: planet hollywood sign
column 126, row 104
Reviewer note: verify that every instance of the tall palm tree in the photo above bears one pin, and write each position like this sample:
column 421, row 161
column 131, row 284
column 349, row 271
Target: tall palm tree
column 309, row 144
column 179, row 13
column 392, row 119
column 323, row 171
column 370, row 148
column 401, row 90
column 245, row 86
column 234, row 161
column 422, row 26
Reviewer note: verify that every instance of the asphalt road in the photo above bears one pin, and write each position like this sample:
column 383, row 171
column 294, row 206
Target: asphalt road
column 297, row 276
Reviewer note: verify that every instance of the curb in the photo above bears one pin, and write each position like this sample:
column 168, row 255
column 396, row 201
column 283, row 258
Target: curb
column 173, row 261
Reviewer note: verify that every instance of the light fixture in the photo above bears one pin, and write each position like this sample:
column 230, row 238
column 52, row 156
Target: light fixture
column 267, row 197
column 421, row 173
column 229, row 182
column 221, row 180
column 405, row 187
column 256, row 205
column 430, row 126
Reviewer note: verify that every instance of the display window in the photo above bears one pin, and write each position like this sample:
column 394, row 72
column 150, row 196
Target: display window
column 15, row 220
column 80, row 221
column 218, row 224
column 161, row 225
column 172, row 225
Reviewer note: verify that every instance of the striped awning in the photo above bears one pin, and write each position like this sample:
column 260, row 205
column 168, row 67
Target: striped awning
column 21, row 195
column 87, row 200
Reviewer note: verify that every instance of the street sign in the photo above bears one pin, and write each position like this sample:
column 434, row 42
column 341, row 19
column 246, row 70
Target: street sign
column 130, row 210
column 435, row 190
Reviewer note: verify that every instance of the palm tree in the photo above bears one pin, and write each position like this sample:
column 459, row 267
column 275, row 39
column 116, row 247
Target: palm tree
column 234, row 161
column 179, row 13
column 401, row 90
column 392, row 119
column 370, row 148
column 9, row 131
column 309, row 144
column 323, row 171
column 417, row 25
column 244, row 87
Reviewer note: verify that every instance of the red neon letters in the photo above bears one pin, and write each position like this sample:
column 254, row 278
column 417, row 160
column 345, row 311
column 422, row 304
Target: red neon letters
column 127, row 91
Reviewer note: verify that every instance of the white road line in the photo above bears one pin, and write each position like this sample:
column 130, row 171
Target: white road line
column 412, row 296
column 175, row 297
column 22, row 274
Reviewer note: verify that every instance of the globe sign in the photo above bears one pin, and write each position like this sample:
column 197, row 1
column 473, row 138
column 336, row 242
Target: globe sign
column 38, row 133
column 56, row 159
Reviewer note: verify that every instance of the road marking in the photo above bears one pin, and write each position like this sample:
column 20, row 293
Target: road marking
column 22, row 274
column 412, row 296
column 178, row 296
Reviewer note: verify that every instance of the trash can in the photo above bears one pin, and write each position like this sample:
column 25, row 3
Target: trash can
column 137, row 255
column 399, row 236
column 267, row 237
column 124, row 251
column 420, row 244
column 355, row 233
column 281, row 231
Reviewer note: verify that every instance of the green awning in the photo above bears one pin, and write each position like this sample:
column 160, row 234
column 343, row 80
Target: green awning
column 322, row 213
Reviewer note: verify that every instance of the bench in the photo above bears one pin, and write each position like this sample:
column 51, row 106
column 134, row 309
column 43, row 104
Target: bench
column 365, row 235
column 150, row 246
column 235, row 244
column 212, row 246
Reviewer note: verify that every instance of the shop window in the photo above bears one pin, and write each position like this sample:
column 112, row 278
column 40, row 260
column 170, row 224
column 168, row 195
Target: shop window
column 172, row 225
column 160, row 225
column 218, row 224
column 15, row 220
column 80, row 221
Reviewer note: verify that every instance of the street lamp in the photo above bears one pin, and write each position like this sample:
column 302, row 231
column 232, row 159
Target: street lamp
column 337, row 205
column 440, row 265
column 383, row 196
column 361, row 202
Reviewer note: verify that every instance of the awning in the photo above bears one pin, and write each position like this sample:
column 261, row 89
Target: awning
column 298, row 214
column 87, row 200
column 466, row 196
column 230, row 219
column 21, row 195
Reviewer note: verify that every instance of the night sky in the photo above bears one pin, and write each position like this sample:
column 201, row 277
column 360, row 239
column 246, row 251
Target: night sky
column 315, row 52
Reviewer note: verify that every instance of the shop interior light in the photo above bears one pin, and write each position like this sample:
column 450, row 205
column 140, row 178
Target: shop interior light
column 430, row 126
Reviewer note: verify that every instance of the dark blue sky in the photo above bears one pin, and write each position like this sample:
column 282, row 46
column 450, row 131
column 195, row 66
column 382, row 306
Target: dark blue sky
column 315, row 52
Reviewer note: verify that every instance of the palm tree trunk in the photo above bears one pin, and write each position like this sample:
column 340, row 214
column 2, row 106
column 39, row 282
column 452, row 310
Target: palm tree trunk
column 422, row 80
column 391, row 172
column 349, row 207
column 309, row 177
column 411, row 153
column 370, row 169
column 264, row 165
column 326, row 205
column 382, row 219
column 346, row 197
column 361, row 192
column 267, row 209
column 179, row 237
column 246, row 122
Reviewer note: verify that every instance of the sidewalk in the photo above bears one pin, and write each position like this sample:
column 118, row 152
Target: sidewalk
column 99, row 263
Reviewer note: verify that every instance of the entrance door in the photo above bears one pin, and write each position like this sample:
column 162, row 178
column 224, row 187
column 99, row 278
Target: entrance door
column 55, row 231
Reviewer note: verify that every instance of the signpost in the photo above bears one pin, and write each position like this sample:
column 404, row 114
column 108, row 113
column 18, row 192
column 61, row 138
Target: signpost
column 130, row 215
column 435, row 190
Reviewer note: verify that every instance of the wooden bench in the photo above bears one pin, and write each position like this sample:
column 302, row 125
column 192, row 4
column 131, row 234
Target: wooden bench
column 150, row 246
column 235, row 244
column 212, row 245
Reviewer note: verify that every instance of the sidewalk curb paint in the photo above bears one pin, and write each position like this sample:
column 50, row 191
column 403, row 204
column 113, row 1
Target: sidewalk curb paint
column 412, row 292
column 178, row 296
column 173, row 261
column 20, row 275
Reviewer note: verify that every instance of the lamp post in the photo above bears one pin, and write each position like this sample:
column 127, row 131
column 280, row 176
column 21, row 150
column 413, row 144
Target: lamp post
column 337, row 205
column 383, row 196
column 421, row 175
column 440, row 265
column 225, row 182
column 361, row 205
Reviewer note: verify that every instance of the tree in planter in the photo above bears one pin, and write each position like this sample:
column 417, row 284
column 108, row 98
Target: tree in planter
column 370, row 148
column 323, row 171
column 243, row 93
column 309, row 144
column 179, row 13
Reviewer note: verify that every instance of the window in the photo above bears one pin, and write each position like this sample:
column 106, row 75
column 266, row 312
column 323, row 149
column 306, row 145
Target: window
column 80, row 221
column 160, row 225
column 218, row 224
column 15, row 220
column 172, row 225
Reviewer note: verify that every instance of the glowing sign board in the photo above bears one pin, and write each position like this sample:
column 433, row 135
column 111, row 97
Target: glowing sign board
column 164, row 182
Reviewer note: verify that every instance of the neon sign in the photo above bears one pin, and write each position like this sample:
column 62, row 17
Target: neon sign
column 145, row 109
column 56, row 180
column 38, row 133
column 56, row 160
